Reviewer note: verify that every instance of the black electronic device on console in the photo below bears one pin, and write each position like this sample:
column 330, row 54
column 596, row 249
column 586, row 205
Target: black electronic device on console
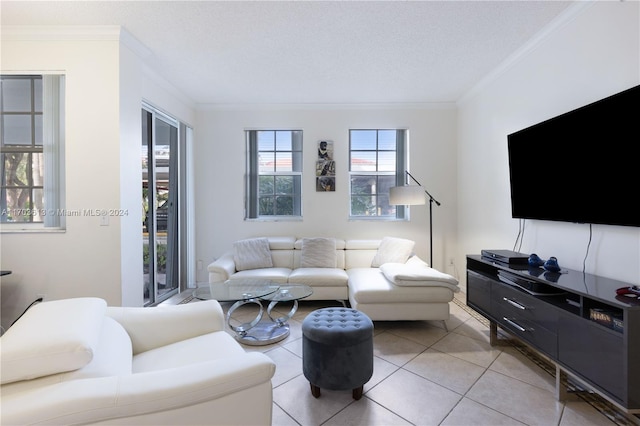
column 507, row 257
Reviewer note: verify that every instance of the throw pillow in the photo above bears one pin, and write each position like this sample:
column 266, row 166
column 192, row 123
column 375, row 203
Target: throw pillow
column 252, row 253
column 392, row 250
column 318, row 253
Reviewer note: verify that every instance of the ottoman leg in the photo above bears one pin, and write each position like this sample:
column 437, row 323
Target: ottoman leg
column 357, row 393
column 315, row 390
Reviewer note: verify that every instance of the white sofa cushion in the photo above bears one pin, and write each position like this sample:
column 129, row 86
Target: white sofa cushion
column 392, row 249
column 319, row 277
column 67, row 335
column 318, row 253
column 252, row 253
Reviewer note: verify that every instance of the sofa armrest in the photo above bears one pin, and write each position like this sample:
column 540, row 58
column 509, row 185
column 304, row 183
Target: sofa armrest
column 151, row 328
column 222, row 268
column 152, row 393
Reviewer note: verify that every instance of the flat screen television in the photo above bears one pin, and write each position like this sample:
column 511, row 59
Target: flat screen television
column 582, row 166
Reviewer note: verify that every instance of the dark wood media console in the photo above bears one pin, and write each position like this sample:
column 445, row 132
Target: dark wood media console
column 574, row 319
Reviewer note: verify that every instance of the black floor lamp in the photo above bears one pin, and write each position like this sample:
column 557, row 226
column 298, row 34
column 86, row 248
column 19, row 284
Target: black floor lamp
column 412, row 195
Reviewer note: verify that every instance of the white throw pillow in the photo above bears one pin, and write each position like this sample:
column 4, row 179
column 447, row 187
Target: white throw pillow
column 253, row 253
column 392, row 250
column 52, row 337
column 318, row 253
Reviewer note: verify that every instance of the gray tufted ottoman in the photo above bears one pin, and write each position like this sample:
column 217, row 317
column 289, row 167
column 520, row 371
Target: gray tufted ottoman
column 337, row 350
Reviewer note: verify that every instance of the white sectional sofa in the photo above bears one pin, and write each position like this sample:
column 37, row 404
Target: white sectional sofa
column 382, row 278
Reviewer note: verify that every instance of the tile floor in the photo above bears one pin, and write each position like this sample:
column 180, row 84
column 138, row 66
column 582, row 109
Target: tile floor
column 424, row 375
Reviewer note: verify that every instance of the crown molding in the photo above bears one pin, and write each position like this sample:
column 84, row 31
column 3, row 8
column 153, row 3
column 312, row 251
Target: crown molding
column 326, row 106
column 568, row 15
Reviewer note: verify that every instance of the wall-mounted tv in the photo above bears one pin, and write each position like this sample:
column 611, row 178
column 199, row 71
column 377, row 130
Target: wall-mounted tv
column 582, row 166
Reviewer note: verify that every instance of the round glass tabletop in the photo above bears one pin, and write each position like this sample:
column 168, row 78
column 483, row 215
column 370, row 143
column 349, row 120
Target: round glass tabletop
column 289, row 292
column 232, row 291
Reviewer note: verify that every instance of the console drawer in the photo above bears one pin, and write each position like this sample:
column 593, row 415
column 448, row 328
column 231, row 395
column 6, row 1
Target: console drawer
column 515, row 303
column 531, row 332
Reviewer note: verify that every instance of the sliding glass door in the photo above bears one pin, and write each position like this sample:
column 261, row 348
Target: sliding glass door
column 160, row 191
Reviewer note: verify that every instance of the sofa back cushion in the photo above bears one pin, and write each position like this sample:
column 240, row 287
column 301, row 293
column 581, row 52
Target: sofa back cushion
column 360, row 253
column 282, row 251
column 52, row 337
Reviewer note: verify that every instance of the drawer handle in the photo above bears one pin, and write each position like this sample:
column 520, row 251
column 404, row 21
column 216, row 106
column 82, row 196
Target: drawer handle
column 514, row 324
column 514, row 303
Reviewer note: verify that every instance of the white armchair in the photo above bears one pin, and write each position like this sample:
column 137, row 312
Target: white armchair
column 77, row 361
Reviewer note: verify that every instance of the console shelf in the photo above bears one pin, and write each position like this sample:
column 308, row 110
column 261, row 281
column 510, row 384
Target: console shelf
column 574, row 319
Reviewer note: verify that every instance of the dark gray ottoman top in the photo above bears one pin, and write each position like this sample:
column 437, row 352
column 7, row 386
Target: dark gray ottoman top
column 337, row 326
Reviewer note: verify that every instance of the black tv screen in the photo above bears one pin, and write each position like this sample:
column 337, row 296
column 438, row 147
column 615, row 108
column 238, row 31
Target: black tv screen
column 582, row 166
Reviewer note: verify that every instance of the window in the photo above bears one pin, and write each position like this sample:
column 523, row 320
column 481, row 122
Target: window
column 377, row 162
column 32, row 117
column 274, row 172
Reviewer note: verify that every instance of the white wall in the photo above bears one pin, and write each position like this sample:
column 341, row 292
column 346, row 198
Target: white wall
column 105, row 85
column 85, row 259
column 589, row 55
column 220, row 155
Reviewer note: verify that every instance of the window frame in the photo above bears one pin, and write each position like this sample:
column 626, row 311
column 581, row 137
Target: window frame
column 401, row 162
column 254, row 173
column 50, row 216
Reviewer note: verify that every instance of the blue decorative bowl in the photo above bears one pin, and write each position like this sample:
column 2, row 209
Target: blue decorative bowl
column 534, row 260
column 552, row 265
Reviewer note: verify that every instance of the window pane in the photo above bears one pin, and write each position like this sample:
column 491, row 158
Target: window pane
column 363, row 206
column 18, row 205
column 363, row 161
column 283, row 162
column 17, row 130
column 387, row 161
column 266, row 141
column 266, row 206
column 15, row 169
column 387, row 140
column 362, row 184
column 16, row 95
column 283, row 141
column 363, row 139
column 284, row 205
column 284, row 185
column 266, row 162
column 266, row 185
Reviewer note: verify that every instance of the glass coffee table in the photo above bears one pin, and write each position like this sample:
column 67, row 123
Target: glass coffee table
column 256, row 332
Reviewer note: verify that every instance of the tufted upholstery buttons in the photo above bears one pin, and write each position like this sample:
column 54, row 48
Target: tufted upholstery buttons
column 337, row 350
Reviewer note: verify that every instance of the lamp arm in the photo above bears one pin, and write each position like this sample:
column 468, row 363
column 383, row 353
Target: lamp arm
column 425, row 191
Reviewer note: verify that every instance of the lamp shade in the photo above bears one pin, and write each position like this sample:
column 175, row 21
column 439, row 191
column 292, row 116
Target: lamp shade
column 409, row 195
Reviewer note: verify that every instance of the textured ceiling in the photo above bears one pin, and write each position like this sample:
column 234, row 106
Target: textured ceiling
column 269, row 52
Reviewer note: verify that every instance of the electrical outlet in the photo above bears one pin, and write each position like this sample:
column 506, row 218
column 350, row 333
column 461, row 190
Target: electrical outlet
column 41, row 296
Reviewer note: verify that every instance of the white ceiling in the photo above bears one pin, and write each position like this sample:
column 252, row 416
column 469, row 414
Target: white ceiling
column 268, row 52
